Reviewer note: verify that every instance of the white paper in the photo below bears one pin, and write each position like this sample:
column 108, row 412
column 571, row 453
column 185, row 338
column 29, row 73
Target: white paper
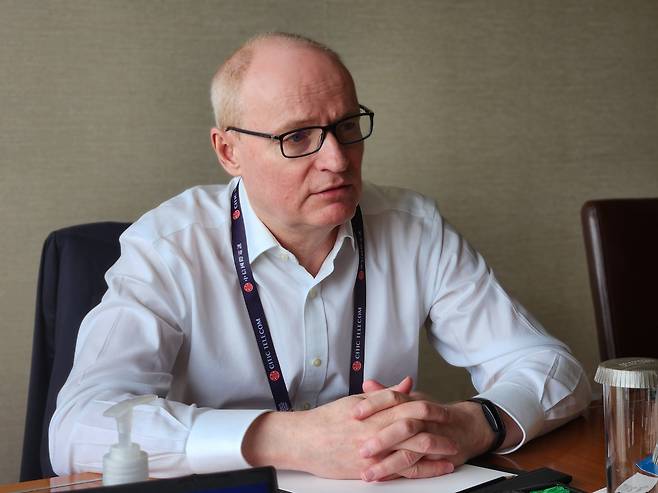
column 463, row 477
column 637, row 483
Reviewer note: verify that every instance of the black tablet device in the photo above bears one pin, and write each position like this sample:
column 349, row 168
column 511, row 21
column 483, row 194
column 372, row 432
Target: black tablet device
column 256, row 480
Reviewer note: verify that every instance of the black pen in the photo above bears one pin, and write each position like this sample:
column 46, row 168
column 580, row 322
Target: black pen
column 483, row 485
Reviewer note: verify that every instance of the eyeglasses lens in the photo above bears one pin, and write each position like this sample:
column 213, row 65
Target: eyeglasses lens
column 309, row 140
column 353, row 129
column 302, row 142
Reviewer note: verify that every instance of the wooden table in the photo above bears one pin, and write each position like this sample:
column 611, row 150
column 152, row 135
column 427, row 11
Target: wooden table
column 577, row 449
column 64, row 483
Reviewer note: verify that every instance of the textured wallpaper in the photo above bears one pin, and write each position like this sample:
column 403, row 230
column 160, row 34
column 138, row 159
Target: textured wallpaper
column 510, row 113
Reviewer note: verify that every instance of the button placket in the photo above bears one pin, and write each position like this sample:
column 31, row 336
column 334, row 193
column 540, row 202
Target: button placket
column 315, row 348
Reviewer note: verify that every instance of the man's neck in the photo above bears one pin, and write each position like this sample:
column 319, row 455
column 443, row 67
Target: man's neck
column 309, row 245
column 310, row 249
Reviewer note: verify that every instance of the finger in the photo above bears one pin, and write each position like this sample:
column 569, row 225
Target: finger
column 420, row 396
column 372, row 386
column 399, row 460
column 404, row 386
column 378, row 401
column 423, row 410
column 390, row 436
column 409, row 436
column 392, row 476
column 430, row 444
column 382, row 399
column 426, row 468
column 400, row 407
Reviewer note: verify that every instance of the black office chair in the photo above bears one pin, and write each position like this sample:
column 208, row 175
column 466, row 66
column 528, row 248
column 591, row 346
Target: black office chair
column 73, row 263
column 621, row 240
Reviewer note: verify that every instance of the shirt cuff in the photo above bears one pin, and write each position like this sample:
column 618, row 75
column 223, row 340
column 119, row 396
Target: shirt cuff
column 522, row 406
column 215, row 440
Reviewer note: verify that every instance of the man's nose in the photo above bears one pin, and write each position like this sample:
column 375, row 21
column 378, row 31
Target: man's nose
column 332, row 155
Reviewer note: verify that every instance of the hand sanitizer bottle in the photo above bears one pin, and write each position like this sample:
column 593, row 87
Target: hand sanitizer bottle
column 125, row 462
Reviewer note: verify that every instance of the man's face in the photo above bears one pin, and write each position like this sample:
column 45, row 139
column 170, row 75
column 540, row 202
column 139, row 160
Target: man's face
column 288, row 87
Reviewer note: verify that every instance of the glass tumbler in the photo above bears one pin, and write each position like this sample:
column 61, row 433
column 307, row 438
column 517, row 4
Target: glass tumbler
column 631, row 419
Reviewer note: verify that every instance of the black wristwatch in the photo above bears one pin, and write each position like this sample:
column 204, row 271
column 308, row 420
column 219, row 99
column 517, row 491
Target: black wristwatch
column 494, row 419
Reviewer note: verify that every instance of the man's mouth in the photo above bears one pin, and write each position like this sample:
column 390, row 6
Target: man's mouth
column 334, row 188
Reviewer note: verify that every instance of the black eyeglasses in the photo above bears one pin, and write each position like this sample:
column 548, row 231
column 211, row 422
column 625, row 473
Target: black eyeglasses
column 303, row 141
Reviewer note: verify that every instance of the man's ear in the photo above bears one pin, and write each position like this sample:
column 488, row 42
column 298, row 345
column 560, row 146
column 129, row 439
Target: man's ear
column 223, row 143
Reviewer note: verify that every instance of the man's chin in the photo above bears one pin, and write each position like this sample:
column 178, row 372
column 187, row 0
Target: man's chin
column 337, row 213
column 336, row 206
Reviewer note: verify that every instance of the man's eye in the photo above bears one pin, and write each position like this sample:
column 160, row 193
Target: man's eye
column 297, row 137
column 348, row 126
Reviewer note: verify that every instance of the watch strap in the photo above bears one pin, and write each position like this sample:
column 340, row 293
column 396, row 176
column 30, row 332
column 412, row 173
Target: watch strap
column 494, row 419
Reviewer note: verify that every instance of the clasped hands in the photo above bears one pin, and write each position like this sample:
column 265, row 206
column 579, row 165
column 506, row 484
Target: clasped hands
column 381, row 434
column 411, row 442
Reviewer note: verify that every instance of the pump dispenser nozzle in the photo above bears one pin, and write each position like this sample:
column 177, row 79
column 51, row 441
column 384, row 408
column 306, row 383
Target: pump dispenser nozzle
column 125, row 462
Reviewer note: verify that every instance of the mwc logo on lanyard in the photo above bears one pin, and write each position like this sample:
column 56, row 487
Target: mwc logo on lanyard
column 259, row 321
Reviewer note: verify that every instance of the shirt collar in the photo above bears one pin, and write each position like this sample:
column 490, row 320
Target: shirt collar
column 345, row 231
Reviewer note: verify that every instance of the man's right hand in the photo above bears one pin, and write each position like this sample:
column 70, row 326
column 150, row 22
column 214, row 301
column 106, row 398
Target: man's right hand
column 324, row 441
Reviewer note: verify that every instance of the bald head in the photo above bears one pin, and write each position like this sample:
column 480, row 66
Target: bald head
column 227, row 83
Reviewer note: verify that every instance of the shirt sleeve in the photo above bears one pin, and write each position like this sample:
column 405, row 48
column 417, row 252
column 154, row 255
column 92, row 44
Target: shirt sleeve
column 128, row 346
column 512, row 360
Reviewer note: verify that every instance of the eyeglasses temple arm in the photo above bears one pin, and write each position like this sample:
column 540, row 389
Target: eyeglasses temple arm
column 251, row 132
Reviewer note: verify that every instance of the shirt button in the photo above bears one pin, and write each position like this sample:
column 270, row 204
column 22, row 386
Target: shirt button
column 317, row 362
column 306, row 406
column 283, row 256
column 312, row 293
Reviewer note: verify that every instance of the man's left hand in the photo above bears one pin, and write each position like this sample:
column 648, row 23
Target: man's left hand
column 414, row 445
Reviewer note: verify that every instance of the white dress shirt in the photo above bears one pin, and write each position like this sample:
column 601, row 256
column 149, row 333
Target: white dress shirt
column 173, row 323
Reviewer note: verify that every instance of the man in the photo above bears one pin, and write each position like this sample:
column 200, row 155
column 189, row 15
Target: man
column 230, row 301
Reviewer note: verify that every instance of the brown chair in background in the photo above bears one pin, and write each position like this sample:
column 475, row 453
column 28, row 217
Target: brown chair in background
column 621, row 240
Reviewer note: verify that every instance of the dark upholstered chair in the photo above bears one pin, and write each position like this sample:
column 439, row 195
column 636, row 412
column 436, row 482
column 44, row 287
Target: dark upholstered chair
column 621, row 240
column 71, row 282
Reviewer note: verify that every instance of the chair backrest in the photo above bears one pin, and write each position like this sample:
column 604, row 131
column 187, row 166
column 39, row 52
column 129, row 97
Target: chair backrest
column 71, row 282
column 621, row 240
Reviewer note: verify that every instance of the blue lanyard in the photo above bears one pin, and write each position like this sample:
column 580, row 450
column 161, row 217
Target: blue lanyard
column 259, row 321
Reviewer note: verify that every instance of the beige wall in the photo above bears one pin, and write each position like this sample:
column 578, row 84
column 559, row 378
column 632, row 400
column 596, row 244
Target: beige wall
column 510, row 113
